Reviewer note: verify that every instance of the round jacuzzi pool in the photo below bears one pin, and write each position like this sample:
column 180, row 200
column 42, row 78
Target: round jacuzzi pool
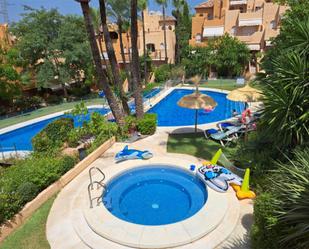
column 155, row 195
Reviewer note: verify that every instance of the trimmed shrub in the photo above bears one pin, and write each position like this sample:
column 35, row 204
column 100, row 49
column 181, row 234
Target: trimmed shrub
column 162, row 73
column 53, row 135
column 148, row 124
column 54, row 99
column 20, row 183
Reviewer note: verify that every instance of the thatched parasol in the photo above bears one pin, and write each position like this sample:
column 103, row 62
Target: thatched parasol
column 245, row 94
column 197, row 101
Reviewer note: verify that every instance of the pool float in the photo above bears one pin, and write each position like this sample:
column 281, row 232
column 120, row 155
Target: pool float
column 217, row 177
column 127, row 154
column 244, row 115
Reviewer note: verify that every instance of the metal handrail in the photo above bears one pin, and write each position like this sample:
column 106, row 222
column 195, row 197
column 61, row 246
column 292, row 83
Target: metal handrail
column 90, row 175
column 90, row 187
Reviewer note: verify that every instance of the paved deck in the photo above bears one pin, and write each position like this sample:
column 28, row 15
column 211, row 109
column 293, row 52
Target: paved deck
column 66, row 230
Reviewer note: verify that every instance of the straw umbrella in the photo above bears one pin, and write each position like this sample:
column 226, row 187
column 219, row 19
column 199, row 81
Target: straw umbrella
column 245, row 94
column 197, row 100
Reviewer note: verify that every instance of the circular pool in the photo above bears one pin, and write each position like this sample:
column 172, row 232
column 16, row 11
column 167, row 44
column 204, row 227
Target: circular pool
column 155, row 195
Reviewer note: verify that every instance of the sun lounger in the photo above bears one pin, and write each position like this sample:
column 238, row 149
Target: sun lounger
column 224, row 137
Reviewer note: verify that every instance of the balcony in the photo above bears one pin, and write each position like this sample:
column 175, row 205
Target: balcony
column 213, row 28
column 253, row 41
column 250, row 19
column 237, row 2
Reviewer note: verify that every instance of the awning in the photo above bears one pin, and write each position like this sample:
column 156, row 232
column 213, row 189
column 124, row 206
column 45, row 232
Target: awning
column 250, row 22
column 213, row 31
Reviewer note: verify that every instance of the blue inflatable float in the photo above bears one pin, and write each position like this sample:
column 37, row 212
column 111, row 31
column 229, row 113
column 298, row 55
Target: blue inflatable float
column 128, row 154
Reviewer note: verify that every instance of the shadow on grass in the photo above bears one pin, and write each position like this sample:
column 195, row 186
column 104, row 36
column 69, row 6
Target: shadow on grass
column 194, row 144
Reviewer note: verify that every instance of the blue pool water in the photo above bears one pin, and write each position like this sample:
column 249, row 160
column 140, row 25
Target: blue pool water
column 21, row 138
column 170, row 114
column 155, row 195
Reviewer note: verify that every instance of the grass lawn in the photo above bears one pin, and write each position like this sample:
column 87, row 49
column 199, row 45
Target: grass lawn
column 45, row 111
column 32, row 234
column 195, row 145
column 224, row 84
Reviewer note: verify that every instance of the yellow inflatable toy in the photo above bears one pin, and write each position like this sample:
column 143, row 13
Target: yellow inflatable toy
column 244, row 192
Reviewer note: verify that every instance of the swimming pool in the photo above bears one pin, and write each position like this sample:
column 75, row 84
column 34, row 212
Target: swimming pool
column 155, row 195
column 21, row 138
column 170, row 114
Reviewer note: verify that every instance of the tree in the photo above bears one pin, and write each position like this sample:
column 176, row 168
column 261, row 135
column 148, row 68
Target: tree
column 110, row 96
column 164, row 4
column 142, row 7
column 53, row 46
column 286, row 86
column 112, row 58
column 182, row 29
column 229, row 55
column 118, row 9
column 9, row 78
column 139, row 109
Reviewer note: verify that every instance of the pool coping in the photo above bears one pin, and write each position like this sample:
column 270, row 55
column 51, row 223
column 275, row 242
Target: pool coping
column 103, row 223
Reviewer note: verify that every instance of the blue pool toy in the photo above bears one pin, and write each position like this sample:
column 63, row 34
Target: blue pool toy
column 192, row 167
column 127, row 154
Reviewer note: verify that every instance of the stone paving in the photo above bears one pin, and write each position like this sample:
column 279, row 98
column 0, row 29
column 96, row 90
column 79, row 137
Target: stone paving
column 65, row 230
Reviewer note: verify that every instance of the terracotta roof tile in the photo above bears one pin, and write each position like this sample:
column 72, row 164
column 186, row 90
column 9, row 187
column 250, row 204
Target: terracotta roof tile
column 208, row 4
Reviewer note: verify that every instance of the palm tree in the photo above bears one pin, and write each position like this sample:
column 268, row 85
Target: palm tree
column 119, row 10
column 164, row 4
column 96, row 20
column 112, row 58
column 139, row 109
column 110, row 96
column 142, row 6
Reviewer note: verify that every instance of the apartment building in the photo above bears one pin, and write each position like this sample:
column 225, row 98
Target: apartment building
column 154, row 38
column 6, row 39
column 254, row 22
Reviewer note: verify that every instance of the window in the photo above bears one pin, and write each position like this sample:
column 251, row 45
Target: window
column 198, row 38
column 210, row 17
column 201, row 14
column 170, row 27
column 233, row 31
column 161, row 45
column 151, row 47
column 272, row 24
column 113, row 35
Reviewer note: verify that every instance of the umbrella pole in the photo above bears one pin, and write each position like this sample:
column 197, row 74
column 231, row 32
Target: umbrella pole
column 196, row 113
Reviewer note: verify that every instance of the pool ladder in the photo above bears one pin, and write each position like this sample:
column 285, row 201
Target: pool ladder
column 98, row 183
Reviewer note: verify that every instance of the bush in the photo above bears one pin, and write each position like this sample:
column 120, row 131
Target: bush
column 162, row 73
column 80, row 91
column 148, row 124
column 264, row 231
column 20, row 183
column 54, row 99
column 177, row 73
column 53, row 135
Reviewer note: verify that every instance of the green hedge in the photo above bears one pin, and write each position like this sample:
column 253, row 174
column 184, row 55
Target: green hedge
column 20, row 183
column 148, row 124
column 53, row 135
column 162, row 73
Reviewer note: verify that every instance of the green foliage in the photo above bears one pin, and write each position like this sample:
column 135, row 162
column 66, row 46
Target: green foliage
column 53, row 135
column 148, row 124
column 142, row 61
column 59, row 43
column 290, row 185
column 264, row 233
column 54, row 99
column 229, row 55
column 21, row 182
column 285, row 86
column 197, row 61
column 9, row 77
column 162, row 73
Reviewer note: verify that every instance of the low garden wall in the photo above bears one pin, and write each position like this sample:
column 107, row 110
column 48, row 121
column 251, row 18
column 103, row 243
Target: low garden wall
column 33, row 205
